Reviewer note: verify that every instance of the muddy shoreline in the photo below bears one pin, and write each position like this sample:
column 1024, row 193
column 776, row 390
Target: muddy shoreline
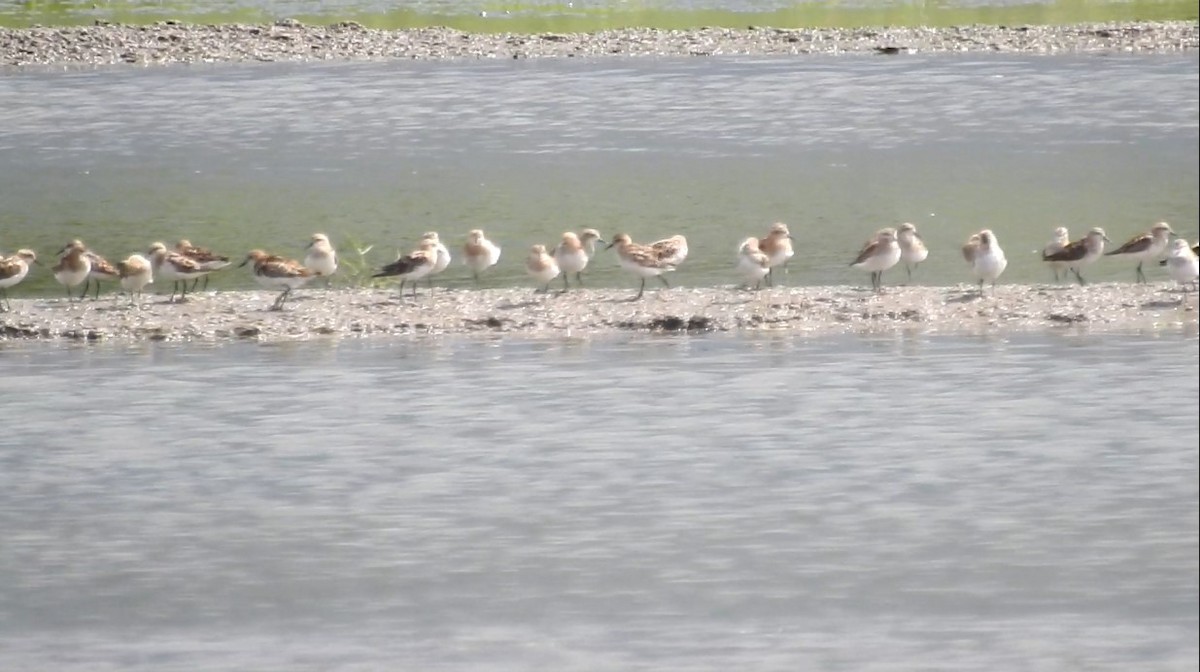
column 378, row 313
column 172, row 42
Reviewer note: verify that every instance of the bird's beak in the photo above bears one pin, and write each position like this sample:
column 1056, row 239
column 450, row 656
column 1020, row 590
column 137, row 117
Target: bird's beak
column 609, row 246
column 244, row 262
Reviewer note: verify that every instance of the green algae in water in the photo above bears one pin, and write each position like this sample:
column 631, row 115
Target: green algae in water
column 535, row 17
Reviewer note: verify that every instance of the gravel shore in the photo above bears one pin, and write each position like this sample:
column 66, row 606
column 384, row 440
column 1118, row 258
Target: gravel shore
column 319, row 313
column 290, row 41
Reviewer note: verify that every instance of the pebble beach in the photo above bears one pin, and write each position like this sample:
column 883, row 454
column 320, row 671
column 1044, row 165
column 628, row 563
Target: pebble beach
column 378, row 312
column 289, row 41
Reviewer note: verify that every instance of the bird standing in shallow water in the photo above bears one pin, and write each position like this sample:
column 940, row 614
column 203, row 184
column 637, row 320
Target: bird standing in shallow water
column 273, row 271
column 135, row 272
column 541, row 266
column 1183, row 264
column 672, row 251
column 13, row 270
column 206, row 260
column 912, row 248
column 176, row 267
column 321, row 257
column 1195, row 250
column 982, row 251
column 1081, row 252
column 777, row 245
column 649, row 261
column 1147, row 246
column 101, row 270
column 73, row 267
column 479, row 253
column 879, row 254
column 752, row 263
column 442, row 256
column 1062, row 238
column 574, row 252
column 411, row 267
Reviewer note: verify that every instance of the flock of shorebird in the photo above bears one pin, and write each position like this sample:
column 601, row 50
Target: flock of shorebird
column 756, row 260
column 1065, row 257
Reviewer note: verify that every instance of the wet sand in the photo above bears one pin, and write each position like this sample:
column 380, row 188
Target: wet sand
column 289, row 41
column 379, row 313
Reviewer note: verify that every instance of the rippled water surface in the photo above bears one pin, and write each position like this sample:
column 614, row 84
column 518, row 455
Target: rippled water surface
column 236, row 157
column 886, row 503
column 575, row 15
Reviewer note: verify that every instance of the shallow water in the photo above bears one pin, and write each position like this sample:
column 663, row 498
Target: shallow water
column 590, row 15
column 890, row 502
column 235, row 157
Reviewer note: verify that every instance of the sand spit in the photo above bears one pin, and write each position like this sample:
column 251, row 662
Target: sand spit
column 290, row 41
column 378, row 313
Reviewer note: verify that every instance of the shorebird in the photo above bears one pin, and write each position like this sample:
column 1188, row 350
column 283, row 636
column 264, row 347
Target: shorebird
column 879, row 254
column 1081, row 252
column 73, row 266
column 1062, row 238
column 321, row 257
column 969, row 247
column 541, row 266
column 1147, row 246
column 574, row 252
column 443, row 256
column 101, row 270
column 982, row 251
column 176, row 267
column 273, row 271
column 135, row 272
column 479, row 253
column 412, row 266
column 646, row 261
column 912, row 248
column 777, row 245
column 1183, row 264
column 13, row 270
column 1195, row 250
column 590, row 237
column 671, row 250
column 752, row 263
column 205, row 259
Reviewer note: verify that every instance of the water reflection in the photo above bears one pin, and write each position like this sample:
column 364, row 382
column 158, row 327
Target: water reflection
column 690, row 502
column 257, row 156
